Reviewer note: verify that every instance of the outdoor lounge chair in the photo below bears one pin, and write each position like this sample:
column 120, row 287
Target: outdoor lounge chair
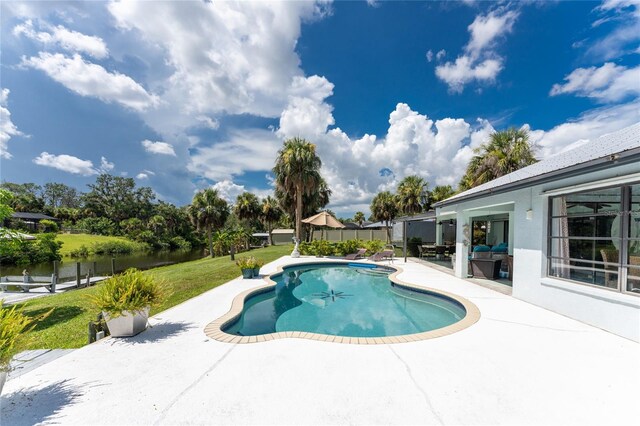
column 381, row 255
column 357, row 255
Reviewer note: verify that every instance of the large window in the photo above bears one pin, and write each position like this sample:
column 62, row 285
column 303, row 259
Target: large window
column 594, row 237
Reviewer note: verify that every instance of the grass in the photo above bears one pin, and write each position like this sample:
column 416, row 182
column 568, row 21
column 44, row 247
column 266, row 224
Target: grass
column 74, row 241
column 66, row 327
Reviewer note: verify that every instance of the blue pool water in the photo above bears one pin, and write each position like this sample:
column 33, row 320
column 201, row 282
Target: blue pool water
column 343, row 300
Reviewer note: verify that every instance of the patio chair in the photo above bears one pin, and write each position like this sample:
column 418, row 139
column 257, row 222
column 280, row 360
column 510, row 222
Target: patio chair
column 382, row 255
column 611, row 260
column 357, row 255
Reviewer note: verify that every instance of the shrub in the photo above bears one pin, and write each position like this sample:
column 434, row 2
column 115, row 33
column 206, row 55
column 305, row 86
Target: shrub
column 46, row 225
column 246, row 262
column 13, row 327
column 97, row 225
column 82, row 251
column 114, row 247
column 130, row 291
column 179, row 243
column 347, row 247
column 373, row 246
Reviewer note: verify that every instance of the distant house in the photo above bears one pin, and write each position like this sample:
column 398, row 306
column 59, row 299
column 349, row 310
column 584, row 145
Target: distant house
column 282, row 236
column 32, row 219
column 571, row 223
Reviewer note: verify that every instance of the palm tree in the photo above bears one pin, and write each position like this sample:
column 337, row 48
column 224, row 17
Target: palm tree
column 384, row 207
column 270, row 212
column 311, row 203
column 441, row 192
column 297, row 173
column 412, row 195
column 507, row 151
column 359, row 218
column 247, row 207
column 208, row 211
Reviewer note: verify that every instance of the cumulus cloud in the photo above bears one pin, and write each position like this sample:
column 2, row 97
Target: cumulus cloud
column 244, row 150
column 88, row 79
column 162, row 148
column 224, row 57
column 480, row 62
column 65, row 38
column 608, row 83
column 7, row 128
column 229, row 191
column 66, row 163
column 441, row 54
column 105, row 166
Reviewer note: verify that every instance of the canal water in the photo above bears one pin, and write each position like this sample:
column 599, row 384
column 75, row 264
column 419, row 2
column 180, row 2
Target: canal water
column 142, row 260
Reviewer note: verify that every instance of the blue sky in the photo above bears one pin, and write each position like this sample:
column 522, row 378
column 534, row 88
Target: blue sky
column 185, row 95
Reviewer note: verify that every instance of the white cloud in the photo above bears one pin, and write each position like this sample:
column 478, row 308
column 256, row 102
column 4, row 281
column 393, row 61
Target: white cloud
column 224, row 57
column 88, row 79
column 208, row 122
column 373, row 3
column 429, row 55
column 105, row 166
column 588, row 126
column 229, row 191
column 441, row 54
column 66, row 163
column 162, row 148
column 7, row 128
column 307, row 114
column 65, row 38
column 623, row 39
column 244, row 150
column 480, row 62
column 145, row 174
column 608, row 83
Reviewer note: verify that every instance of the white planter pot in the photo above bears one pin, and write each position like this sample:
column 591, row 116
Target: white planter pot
column 3, row 378
column 128, row 324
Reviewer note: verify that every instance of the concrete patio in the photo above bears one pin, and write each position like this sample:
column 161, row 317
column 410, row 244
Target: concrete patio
column 519, row 364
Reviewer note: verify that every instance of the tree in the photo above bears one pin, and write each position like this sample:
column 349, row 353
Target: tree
column 359, row 218
column 25, row 197
column 247, row 207
column 412, row 195
column 270, row 212
column 117, row 198
column 297, row 173
column 208, row 211
column 441, row 192
column 57, row 195
column 507, row 151
column 384, row 207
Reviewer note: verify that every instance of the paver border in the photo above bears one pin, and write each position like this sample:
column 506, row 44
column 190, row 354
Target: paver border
column 214, row 329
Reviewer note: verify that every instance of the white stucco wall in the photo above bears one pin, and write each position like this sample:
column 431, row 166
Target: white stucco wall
column 610, row 310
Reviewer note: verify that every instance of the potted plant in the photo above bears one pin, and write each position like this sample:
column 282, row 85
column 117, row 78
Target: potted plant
column 125, row 300
column 259, row 263
column 13, row 326
column 247, row 265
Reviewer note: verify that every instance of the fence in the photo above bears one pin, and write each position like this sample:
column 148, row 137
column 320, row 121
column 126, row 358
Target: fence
column 350, row 234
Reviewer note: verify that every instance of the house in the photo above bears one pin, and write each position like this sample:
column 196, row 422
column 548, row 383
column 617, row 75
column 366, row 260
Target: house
column 572, row 225
column 31, row 220
column 282, row 236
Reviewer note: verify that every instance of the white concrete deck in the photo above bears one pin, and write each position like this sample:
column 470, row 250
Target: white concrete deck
column 519, row 364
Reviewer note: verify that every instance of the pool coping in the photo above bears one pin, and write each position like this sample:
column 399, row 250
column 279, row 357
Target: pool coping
column 214, row 331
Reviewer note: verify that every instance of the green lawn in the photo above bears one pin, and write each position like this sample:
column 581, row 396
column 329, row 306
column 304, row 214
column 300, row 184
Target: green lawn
column 66, row 327
column 74, row 241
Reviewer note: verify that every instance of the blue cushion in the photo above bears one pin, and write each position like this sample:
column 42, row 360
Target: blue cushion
column 499, row 249
column 481, row 248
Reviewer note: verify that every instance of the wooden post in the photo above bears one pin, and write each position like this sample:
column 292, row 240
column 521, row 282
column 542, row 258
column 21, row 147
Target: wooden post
column 55, row 268
column 95, row 269
column 78, row 274
column 113, row 266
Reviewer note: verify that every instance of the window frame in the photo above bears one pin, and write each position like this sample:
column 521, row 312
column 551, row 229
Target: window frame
column 623, row 263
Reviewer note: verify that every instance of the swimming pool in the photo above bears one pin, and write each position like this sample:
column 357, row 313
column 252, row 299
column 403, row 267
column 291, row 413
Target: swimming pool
column 349, row 300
